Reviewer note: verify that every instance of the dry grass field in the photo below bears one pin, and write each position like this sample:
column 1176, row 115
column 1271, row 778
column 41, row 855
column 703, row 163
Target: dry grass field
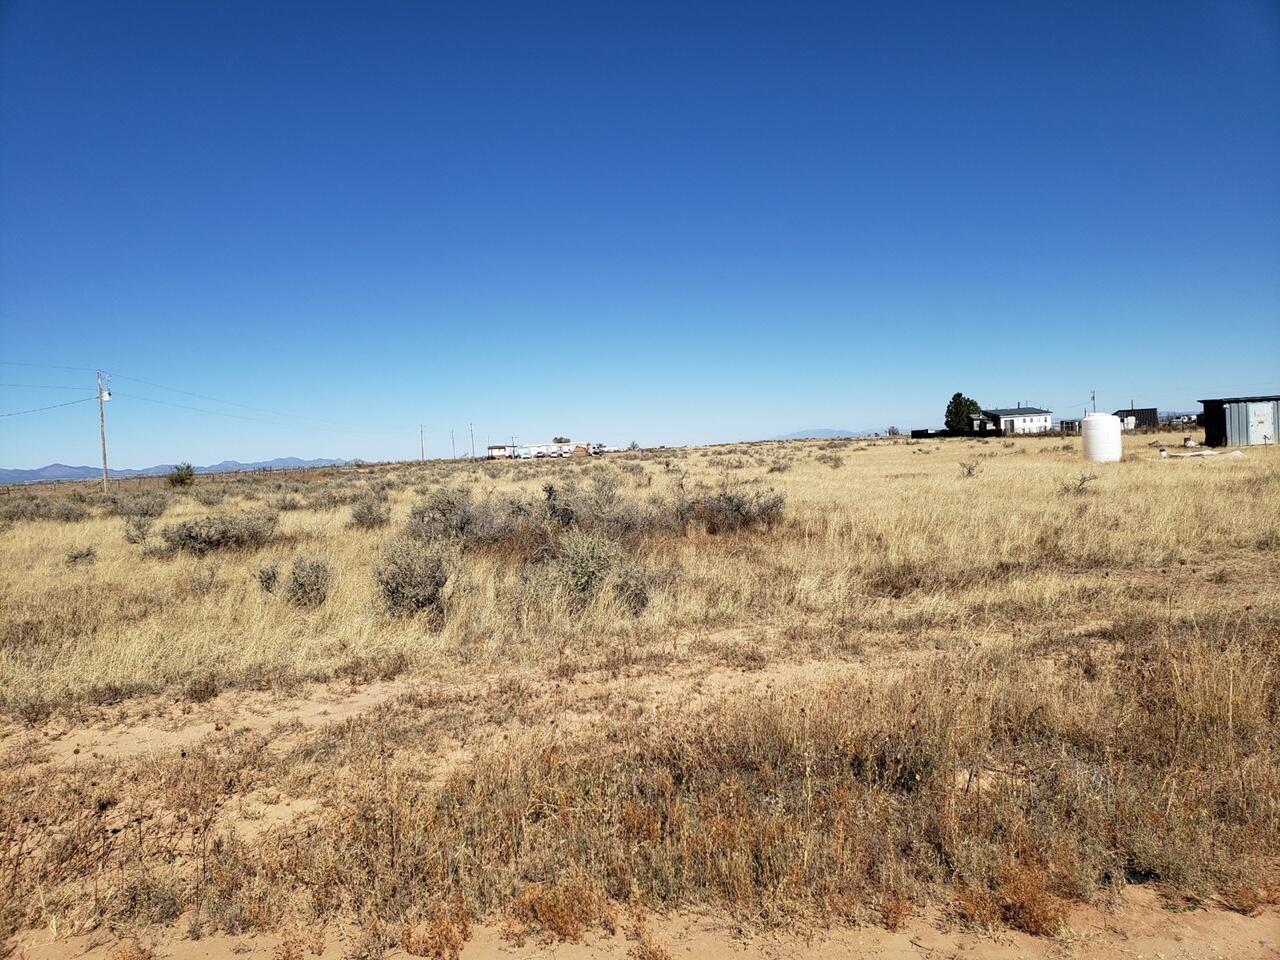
column 964, row 686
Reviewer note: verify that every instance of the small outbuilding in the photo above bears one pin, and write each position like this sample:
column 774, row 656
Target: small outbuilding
column 1139, row 418
column 1240, row 421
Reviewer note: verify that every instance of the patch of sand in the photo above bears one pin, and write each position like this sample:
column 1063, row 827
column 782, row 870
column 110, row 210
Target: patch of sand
column 1141, row 928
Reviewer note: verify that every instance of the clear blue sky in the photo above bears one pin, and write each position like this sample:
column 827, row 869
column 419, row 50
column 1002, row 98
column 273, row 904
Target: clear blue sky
column 669, row 222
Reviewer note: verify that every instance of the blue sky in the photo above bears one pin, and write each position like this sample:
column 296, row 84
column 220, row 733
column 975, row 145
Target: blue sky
column 667, row 222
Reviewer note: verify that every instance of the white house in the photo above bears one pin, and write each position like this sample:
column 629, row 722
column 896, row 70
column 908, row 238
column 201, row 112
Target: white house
column 1020, row 419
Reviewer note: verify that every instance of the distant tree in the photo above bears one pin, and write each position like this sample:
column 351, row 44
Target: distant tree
column 559, row 439
column 633, row 445
column 183, row 475
column 959, row 410
column 895, row 432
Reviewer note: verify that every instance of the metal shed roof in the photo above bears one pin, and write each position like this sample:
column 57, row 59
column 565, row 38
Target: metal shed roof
column 1265, row 399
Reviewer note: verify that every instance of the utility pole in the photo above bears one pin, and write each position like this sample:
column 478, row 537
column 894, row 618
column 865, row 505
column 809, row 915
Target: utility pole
column 1093, row 396
column 104, row 395
column 453, row 447
column 472, row 428
column 422, row 442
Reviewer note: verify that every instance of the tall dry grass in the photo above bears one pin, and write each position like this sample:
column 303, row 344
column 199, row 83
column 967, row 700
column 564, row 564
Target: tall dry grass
column 1050, row 689
column 895, row 540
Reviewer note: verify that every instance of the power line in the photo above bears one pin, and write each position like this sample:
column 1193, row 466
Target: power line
column 55, row 406
column 39, row 386
column 46, row 366
column 243, row 406
column 237, row 416
column 351, row 427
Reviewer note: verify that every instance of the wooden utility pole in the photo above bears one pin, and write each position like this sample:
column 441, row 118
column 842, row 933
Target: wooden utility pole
column 472, row 428
column 103, row 396
column 422, row 442
column 453, row 447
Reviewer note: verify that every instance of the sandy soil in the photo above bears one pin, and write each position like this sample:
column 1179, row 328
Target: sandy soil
column 479, row 708
column 1140, row 929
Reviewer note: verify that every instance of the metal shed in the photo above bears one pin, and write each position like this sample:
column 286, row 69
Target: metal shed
column 1240, row 421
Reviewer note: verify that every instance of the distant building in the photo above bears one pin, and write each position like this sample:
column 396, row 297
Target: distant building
column 1011, row 420
column 981, row 423
column 499, row 451
column 1139, row 418
column 1239, row 421
column 1069, row 428
column 540, row 451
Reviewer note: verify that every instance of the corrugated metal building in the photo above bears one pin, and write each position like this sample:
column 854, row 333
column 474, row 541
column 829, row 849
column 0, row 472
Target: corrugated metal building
column 1239, row 421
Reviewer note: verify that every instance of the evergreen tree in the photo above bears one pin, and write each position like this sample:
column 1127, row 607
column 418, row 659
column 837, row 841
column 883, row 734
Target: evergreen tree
column 959, row 410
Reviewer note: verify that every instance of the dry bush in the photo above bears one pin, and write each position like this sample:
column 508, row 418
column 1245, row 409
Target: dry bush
column 729, row 510
column 440, row 934
column 370, row 513
column 308, row 583
column 209, row 496
column 583, row 562
column 564, row 910
column 137, row 529
column 268, row 575
column 148, row 505
column 83, row 555
column 221, row 532
column 412, row 577
column 42, row 508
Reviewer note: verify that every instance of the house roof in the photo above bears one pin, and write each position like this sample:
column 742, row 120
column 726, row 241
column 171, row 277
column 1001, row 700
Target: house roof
column 1015, row 412
column 1274, row 396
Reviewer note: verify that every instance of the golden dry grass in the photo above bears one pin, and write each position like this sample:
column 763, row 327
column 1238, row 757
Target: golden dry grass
column 989, row 687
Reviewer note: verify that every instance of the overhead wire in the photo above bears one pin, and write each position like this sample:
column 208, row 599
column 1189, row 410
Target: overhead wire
column 39, row 386
column 237, row 416
column 53, row 406
column 233, row 403
column 338, row 426
column 46, row 366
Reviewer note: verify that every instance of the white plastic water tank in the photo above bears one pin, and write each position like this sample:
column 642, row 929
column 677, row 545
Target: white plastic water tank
column 1101, row 432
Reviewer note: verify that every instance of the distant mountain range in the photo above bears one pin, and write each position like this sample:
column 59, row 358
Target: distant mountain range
column 820, row 433
column 62, row 471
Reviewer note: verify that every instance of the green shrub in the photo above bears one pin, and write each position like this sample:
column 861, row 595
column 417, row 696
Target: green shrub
column 183, row 475
column 221, row 532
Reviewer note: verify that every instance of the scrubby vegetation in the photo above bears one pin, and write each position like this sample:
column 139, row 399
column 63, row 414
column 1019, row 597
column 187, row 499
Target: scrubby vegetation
column 750, row 680
column 221, row 532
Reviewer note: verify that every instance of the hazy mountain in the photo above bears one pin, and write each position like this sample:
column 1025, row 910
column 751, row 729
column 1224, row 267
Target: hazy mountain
column 62, row 471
